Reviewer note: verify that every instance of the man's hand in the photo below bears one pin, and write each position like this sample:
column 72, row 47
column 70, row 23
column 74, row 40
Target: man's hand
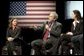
column 47, row 27
column 69, row 33
column 10, row 39
column 35, row 26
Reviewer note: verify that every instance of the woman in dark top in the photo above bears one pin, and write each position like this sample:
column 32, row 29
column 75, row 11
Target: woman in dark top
column 13, row 33
column 74, row 38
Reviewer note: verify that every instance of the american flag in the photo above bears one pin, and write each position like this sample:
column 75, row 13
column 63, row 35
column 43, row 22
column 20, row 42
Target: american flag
column 31, row 12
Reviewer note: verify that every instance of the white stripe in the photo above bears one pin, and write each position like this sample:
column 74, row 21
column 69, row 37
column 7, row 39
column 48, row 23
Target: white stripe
column 40, row 3
column 38, row 12
column 32, row 20
column 40, row 8
column 29, row 24
column 33, row 16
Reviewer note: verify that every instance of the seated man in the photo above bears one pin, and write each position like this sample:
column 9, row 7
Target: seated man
column 51, row 32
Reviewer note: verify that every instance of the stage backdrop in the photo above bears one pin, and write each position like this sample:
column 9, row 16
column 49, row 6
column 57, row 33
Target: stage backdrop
column 31, row 12
column 73, row 5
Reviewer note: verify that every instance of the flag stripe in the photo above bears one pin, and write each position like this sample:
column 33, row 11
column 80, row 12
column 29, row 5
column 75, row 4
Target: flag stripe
column 33, row 16
column 32, row 20
column 22, row 18
column 26, row 25
column 41, row 1
column 38, row 12
column 40, row 4
column 40, row 8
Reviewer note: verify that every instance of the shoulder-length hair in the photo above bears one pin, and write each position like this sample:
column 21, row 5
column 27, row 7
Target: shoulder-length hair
column 77, row 13
column 10, row 22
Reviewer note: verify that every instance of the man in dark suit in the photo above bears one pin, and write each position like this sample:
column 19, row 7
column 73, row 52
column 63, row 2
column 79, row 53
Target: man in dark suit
column 51, row 32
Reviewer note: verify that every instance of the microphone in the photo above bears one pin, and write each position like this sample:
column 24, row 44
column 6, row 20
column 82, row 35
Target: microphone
column 47, row 22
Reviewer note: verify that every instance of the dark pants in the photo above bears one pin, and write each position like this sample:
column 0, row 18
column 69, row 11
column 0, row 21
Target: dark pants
column 11, row 49
column 63, row 44
column 37, row 46
column 51, row 41
column 78, row 43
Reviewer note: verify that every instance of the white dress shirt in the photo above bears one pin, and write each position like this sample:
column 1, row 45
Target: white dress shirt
column 74, row 23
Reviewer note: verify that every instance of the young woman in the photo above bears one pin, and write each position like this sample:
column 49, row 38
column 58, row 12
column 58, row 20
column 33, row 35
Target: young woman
column 77, row 32
column 75, row 36
column 13, row 33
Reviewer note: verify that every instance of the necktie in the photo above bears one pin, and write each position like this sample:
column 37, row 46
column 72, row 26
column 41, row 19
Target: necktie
column 46, row 33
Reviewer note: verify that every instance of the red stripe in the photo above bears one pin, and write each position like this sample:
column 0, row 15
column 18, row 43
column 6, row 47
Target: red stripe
column 41, row 1
column 40, row 5
column 36, row 14
column 41, row 10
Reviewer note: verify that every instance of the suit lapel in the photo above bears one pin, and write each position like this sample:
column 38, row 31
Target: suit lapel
column 54, row 25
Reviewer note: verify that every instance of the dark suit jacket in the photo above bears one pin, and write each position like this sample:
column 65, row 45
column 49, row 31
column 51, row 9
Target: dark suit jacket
column 78, row 29
column 55, row 31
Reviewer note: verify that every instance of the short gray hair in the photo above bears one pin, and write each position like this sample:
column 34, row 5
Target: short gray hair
column 55, row 14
